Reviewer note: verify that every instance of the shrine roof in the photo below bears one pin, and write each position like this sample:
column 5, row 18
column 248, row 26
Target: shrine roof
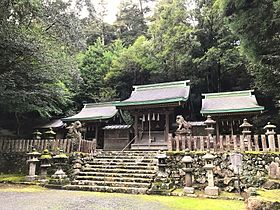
column 57, row 123
column 160, row 93
column 235, row 102
column 95, row 111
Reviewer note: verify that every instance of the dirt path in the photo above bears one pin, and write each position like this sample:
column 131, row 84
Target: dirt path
column 29, row 198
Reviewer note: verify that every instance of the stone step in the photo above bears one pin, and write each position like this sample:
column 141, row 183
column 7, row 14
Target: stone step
column 125, row 157
column 124, row 160
column 140, row 153
column 83, row 173
column 114, row 184
column 112, row 170
column 96, row 163
column 144, row 147
column 119, row 166
column 115, row 179
column 130, row 190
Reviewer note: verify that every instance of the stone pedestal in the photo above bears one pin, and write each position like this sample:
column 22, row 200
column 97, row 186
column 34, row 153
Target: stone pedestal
column 32, row 169
column 189, row 190
column 212, row 191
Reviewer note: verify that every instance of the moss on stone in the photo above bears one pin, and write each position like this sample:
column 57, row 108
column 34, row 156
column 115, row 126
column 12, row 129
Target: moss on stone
column 12, row 178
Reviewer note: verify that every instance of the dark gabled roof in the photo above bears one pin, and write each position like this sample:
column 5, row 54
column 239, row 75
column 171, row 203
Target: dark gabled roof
column 230, row 103
column 159, row 93
column 95, row 111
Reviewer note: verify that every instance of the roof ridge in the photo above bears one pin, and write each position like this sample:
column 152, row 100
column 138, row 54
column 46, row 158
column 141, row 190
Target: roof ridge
column 101, row 104
column 229, row 94
column 161, row 85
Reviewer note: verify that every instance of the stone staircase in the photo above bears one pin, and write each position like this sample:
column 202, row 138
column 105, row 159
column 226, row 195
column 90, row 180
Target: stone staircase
column 130, row 172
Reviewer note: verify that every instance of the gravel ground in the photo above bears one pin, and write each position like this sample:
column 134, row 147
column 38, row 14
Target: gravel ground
column 62, row 199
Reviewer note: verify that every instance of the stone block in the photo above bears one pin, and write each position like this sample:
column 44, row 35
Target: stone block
column 31, row 178
column 189, row 190
column 212, row 191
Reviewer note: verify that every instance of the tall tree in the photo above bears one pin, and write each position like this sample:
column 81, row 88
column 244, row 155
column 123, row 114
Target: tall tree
column 257, row 24
column 130, row 22
column 37, row 73
column 217, row 56
column 133, row 66
column 94, row 64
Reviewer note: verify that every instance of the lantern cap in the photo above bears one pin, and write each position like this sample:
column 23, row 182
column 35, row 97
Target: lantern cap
column 45, row 155
column 209, row 120
column 245, row 124
column 34, row 153
column 37, row 132
column 269, row 126
column 50, row 131
column 61, row 155
column 187, row 159
column 208, row 156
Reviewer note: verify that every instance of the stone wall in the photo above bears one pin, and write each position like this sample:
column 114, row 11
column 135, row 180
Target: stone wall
column 13, row 163
column 254, row 171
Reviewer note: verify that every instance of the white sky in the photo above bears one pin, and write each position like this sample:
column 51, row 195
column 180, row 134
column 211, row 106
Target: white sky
column 112, row 9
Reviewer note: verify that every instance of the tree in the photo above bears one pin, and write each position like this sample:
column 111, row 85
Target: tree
column 217, row 56
column 94, row 64
column 37, row 73
column 257, row 24
column 134, row 65
column 130, row 22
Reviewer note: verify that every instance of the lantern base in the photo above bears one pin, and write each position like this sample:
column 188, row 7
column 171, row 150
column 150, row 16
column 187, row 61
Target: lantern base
column 189, row 190
column 31, row 178
column 213, row 191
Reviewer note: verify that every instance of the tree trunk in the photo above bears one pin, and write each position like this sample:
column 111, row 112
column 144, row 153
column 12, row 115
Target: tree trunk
column 18, row 123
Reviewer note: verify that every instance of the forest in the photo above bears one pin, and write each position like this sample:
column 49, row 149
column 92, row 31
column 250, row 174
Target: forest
column 52, row 60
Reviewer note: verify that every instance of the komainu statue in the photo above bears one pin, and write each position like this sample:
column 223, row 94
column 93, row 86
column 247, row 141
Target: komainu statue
column 183, row 125
column 74, row 133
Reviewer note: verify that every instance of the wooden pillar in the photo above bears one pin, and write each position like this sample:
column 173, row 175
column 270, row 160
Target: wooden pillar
column 166, row 125
column 136, row 128
column 96, row 133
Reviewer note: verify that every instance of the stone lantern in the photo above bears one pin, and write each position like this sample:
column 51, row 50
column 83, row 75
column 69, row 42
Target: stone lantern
column 209, row 122
column 246, row 135
column 211, row 189
column 187, row 160
column 50, row 134
column 270, row 133
column 37, row 135
column 45, row 164
column 161, row 164
column 32, row 161
column 60, row 161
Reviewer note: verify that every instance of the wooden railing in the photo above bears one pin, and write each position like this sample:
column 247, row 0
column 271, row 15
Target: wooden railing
column 25, row 145
column 241, row 143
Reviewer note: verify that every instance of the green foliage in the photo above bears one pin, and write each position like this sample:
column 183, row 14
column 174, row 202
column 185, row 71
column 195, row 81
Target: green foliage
column 12, row 178
column 133, row 65
column 257, row 25
column 130, row 22
column 94, row 64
